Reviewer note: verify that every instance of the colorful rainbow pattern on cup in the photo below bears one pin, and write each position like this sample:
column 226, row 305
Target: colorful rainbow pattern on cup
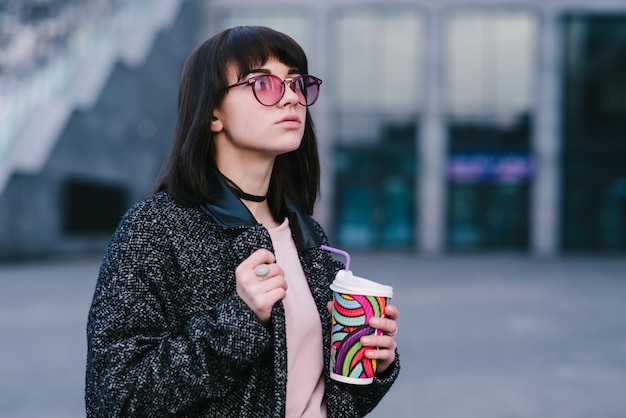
column 351, row 314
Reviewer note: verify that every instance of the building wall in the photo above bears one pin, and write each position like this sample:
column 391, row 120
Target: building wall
column 440, row 126
column 106, row 158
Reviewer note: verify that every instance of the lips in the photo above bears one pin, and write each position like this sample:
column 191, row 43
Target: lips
column 290, row 119
column 290, row 122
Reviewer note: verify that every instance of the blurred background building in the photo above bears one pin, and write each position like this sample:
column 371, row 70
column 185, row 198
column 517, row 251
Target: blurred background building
column 445, row 126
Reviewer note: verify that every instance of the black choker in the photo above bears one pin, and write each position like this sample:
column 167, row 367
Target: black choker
column 241, row 194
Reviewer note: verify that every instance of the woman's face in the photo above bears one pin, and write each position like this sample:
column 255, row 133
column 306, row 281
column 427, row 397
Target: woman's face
column 244, row 126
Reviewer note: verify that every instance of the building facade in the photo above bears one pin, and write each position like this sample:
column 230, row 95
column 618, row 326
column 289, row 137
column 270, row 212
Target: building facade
column 458, row 125
column 465, row 125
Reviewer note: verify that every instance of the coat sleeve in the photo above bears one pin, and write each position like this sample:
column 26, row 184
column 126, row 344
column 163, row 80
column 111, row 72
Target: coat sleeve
column 137, row 363
column 347, row 400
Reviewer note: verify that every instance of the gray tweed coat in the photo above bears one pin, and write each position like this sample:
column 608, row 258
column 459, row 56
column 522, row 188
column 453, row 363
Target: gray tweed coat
column 169, row 336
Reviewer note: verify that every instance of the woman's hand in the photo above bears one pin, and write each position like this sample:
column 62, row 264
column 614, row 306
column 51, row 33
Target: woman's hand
column 386, row 342
column 260, row 293
column 385, row 352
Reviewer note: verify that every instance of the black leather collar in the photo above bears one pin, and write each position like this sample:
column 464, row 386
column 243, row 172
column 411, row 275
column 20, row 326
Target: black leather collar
column 226, row 209
column 229, row 212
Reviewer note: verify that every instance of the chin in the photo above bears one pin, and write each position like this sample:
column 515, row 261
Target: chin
column 289, row 144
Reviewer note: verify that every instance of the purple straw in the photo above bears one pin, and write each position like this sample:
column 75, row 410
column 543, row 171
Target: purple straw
column 338, row 251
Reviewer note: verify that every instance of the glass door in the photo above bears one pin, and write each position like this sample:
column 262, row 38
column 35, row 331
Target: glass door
column 594, row 134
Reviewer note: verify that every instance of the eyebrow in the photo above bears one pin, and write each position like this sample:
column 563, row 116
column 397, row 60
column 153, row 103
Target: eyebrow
column 266, row 71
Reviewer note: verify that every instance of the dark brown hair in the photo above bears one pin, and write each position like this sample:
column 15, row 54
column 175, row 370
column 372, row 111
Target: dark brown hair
column 202, row 87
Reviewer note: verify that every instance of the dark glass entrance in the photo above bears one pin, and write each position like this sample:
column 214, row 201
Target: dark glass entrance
column 594, row 134
column 489, row 168
column 375, row 189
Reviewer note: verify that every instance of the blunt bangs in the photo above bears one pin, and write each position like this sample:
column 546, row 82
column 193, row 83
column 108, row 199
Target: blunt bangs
column 249, row 47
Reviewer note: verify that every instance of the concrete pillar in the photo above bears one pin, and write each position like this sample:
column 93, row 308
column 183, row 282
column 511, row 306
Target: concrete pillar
column 432, row 144
column 545, row 193
column 322, row 115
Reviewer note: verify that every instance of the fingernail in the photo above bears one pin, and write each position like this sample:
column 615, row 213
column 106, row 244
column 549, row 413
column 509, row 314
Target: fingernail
column 366, row 341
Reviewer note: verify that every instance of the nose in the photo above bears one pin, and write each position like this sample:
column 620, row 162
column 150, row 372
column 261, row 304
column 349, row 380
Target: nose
column 290, row 96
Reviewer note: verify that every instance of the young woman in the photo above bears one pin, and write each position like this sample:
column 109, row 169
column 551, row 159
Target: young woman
column 181, row 324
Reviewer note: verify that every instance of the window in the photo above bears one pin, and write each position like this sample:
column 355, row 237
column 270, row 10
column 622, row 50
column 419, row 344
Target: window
column 376, row 98
column 92, row 207
column 490, row 60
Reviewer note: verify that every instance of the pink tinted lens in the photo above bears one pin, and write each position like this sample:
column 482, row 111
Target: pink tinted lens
column 268, row 89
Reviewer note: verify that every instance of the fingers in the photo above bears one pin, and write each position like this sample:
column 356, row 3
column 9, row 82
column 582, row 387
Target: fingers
column 386, row 328
column 258, row 268
column 262, row 270
column 384, row 351
column 384, row 341
column 260, row 287
column 260, row 256
column 392, row 312
column 387, row 324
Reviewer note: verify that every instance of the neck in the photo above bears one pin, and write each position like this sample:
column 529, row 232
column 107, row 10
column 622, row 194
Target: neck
column 243, row 195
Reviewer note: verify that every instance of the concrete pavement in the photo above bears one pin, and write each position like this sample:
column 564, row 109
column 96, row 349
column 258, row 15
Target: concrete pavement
column 480, row 336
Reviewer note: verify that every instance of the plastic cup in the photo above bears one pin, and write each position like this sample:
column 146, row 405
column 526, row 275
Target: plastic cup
column 355, row 301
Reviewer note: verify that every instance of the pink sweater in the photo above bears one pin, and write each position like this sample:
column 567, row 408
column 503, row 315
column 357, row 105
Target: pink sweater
column 305, row 381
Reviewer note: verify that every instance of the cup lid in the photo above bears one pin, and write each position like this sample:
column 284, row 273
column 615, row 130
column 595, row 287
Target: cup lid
column 346, row 282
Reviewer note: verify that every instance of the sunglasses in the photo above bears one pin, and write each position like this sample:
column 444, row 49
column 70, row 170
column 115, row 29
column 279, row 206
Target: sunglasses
column 269, row 89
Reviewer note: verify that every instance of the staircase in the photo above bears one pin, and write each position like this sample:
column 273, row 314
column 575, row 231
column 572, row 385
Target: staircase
column 55, row 58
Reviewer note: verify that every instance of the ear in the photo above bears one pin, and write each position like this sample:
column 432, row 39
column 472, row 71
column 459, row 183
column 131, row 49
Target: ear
column 216, row 124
